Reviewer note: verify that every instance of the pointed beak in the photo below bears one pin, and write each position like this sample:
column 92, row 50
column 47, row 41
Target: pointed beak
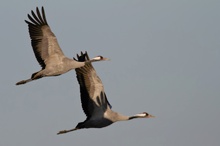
column 106, row 59
column 151, row 116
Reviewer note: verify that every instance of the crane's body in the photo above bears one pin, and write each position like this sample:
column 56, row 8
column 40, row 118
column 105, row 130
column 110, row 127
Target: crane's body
column 94, row 101
column 47, row 50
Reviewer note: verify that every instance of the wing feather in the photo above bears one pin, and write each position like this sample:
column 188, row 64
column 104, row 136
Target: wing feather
column 91, row 88
column 43, row 40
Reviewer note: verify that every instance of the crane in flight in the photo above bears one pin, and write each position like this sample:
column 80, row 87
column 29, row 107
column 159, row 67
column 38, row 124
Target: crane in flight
column 94, row 101
column 47, row 50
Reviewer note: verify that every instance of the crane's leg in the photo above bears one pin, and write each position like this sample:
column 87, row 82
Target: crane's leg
column 66, row 131
column 23, row 81
column 34, row 76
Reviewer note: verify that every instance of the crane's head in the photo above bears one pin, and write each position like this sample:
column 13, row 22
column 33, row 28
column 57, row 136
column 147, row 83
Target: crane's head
column 145, row 115
column 84, row 57
column 99, row 58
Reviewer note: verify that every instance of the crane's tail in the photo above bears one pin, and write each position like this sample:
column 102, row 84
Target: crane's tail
column 23, row 81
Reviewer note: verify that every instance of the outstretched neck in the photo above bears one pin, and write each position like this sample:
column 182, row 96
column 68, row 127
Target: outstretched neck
column 114, row 116
column 120, row 117
column 143, row 115
column 98, row 58
column 77, row 64
column 133, row 117
column 92, row 60
column 123, row 118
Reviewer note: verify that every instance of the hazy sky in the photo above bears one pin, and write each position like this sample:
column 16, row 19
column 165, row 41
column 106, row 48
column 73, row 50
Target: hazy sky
column 165, row 58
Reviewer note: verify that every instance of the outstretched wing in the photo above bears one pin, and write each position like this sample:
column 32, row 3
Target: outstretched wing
column 91, row 88
column 43, row 41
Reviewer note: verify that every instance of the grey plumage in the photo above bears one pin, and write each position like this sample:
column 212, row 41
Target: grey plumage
column 94, row 101
column 47, row 50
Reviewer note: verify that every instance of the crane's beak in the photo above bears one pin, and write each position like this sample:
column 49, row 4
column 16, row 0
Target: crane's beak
column 105, row 59
column 150, row 116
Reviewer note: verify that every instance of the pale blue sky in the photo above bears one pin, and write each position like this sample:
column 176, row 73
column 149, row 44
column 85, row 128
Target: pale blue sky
column 165, row 59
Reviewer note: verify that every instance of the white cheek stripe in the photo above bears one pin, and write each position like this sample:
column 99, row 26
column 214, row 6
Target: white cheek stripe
column 141, row 115
column 96, row 58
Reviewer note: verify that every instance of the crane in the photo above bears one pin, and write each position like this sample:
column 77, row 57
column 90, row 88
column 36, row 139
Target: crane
column 94, row 101
column 47, row 50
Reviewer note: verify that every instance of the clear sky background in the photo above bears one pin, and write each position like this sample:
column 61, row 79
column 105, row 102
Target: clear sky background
column 165, row 60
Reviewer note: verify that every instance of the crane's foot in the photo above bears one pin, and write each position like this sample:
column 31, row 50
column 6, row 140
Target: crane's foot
column 66, row 131
column 24, row 81
column 21, row 82
column 62, row 132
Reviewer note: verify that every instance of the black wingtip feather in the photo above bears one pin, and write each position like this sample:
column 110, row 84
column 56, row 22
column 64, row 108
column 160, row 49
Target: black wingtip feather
column 37, row 18
column 82, row 57
column 44, row 16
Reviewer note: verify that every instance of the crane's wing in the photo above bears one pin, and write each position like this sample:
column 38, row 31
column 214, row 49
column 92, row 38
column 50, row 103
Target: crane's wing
column 91, row 87
column 43, row 41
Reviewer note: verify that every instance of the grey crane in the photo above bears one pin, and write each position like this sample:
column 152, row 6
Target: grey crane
column 94, row 101
column 47, row 50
